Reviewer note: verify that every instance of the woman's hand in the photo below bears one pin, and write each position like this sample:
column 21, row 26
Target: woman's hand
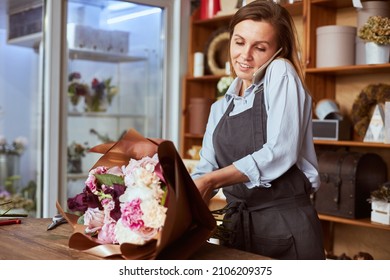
column 205, row 190
column 209, row 182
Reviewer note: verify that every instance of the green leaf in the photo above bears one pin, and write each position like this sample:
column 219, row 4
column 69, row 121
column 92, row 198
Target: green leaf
column 80, row 220
column 109, row 179
column 164, row 198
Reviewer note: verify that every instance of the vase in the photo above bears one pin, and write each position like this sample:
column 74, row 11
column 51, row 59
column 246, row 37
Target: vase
column 97, row 105
column 13, row 169
column 74, row 100
column 198, row 110
column 3, row 170
column 377, row 54
column 10, row 172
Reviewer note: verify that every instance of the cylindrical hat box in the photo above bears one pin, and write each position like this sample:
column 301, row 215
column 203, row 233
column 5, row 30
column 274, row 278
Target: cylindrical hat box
column 372, row 8
column 198, row 110
column 360, row 51
column 335, row 45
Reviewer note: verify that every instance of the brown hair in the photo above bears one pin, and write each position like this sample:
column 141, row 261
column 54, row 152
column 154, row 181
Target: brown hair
column 281, row 20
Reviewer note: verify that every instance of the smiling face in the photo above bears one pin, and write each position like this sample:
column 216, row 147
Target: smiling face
column 252, row 44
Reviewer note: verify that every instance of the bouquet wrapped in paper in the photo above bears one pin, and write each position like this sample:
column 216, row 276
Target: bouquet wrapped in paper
column 139, row 202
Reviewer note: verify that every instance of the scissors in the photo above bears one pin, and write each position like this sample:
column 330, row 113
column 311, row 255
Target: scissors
column 57, row 220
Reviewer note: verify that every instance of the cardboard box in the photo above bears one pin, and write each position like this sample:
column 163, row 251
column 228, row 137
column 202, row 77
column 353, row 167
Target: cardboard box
column 120, row 41
column 80, row 36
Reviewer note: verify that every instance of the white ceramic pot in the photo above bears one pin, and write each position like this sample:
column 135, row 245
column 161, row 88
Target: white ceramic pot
column 380, row 212
column 377, row 54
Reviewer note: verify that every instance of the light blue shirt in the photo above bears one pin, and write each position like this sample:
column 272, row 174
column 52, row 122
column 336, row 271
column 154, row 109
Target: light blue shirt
column 289, row 128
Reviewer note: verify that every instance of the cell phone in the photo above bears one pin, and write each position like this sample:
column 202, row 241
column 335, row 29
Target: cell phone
column 261, row 71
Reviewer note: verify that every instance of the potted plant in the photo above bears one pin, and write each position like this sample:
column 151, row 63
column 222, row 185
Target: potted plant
column 376, row 33
column 10, row 154
column 76, row 89
column 76, row 152
column 100, row 96
column 380, row 204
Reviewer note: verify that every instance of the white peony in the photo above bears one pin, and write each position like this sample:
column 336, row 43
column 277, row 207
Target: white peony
column 153, row 213
column 125, row 235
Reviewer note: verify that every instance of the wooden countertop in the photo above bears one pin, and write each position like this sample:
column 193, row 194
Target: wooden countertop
column 31, row 241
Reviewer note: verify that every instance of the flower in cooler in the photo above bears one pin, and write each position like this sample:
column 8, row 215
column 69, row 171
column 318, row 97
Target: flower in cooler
column 16, row 147
column 76, row 150
column 123, row 204
column 76, row 89
column 102, row 91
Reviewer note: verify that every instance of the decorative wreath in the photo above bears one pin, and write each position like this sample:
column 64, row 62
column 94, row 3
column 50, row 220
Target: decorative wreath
column 367, row 99
column 217, row 50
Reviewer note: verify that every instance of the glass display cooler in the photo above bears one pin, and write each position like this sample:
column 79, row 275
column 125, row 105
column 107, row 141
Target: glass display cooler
column 76, row 74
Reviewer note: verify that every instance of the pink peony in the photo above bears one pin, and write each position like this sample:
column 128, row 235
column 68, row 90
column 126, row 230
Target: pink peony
column 107, row 233
column 93, row 219
column 132, row 214
column 91, row 181
column 116, row 170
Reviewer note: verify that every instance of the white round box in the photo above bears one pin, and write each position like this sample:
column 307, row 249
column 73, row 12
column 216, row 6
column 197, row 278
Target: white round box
column 372, row 8
column 335, row 45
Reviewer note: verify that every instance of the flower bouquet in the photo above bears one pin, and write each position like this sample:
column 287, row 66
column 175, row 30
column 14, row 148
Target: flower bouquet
column 139, row 203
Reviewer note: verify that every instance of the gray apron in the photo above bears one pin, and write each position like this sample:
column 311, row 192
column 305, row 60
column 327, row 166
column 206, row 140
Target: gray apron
column 280, row 221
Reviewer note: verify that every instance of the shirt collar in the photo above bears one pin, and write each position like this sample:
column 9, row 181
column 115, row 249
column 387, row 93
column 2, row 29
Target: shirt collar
column 235, row 87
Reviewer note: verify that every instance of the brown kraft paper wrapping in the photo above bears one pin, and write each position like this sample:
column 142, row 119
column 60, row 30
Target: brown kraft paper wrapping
column 189, row 222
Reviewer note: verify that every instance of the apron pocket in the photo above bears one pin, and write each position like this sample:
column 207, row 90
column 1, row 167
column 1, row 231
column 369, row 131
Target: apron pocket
column 282, row 247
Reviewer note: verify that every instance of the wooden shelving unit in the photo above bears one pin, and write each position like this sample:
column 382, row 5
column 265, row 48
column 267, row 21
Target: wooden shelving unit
column 366, row 222
column 352, row 144
column 350, row 70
